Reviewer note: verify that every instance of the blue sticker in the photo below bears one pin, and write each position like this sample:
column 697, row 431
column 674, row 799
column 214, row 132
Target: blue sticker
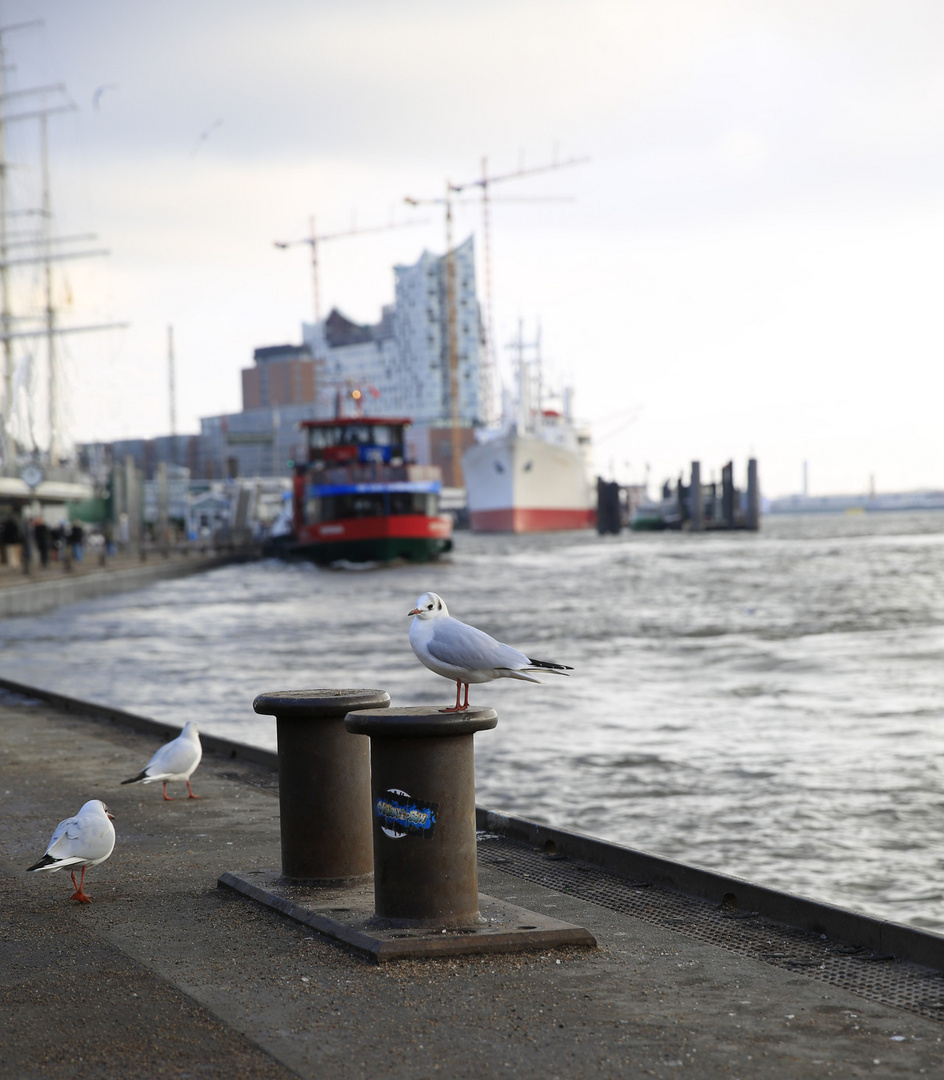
column 401, row 815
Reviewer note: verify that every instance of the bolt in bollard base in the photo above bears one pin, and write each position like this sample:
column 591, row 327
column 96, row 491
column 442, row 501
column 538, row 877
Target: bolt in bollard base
column 324, row 782
column 423, row 806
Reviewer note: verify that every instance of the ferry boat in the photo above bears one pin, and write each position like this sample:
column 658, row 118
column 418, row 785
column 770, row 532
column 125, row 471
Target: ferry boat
column 357, row 498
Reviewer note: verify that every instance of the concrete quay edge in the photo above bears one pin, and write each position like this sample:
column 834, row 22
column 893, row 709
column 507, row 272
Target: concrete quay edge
column 166, row 974
column 41, row 595
column 880, row 935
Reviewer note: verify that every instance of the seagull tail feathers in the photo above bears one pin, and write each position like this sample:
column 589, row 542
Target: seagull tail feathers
column 45, row 862
column 142, row 775
column 515, row 673
column 546, row 665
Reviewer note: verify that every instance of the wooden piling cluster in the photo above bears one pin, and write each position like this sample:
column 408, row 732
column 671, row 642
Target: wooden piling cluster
column 692, row 507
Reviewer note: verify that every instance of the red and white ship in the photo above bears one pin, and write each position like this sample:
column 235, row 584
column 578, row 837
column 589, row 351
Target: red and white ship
column 533, row 474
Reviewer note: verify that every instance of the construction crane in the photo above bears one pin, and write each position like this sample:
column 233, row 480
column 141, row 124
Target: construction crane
column 313, row 239
column 484, row 182
column 451, row 331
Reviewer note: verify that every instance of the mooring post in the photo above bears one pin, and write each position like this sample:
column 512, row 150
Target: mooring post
column 696, row 499
column 753, row 493
column 324, row 782
column 422, row 801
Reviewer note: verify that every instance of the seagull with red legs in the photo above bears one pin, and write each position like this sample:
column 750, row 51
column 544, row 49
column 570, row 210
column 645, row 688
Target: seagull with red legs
column 458, row 651
column 175, row 761
column 84, row 840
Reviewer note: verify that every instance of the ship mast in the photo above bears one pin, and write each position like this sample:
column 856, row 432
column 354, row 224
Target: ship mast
column 5, row 305
column 49, row 330
column 50, row 311
column 452, row 355
column 484, row 183
column 172, row 393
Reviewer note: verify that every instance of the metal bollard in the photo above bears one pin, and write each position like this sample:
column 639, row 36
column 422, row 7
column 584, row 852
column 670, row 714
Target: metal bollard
column 324, row 782
column 423, row 805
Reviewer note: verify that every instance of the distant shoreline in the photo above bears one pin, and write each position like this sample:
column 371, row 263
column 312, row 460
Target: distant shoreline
column 825, row 504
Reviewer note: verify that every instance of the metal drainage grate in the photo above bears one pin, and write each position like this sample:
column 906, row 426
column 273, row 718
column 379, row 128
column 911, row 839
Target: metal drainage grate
column 876, row 976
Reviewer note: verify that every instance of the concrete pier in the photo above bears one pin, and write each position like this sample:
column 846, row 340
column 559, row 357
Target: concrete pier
column 47, row 588
column 166, row 975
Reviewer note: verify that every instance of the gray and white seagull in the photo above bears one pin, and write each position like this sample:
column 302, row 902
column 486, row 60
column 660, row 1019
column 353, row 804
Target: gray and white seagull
column 84, row 840
column 458, row 651
column 175, row 760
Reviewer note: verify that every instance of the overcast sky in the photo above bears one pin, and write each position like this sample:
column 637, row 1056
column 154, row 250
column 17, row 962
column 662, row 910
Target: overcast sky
column 749, row 264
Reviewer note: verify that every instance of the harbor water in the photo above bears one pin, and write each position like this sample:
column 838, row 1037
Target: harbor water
column 765, row 704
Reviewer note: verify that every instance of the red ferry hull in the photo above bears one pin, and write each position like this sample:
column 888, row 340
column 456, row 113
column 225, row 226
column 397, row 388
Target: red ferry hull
column 412, row 537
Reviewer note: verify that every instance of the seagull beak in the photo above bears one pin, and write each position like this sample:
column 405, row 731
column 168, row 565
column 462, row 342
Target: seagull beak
column 111, row 817
column 415, row 611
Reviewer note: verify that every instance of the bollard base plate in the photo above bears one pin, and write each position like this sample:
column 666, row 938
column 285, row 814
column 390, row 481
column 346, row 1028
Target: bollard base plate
column 346, row 914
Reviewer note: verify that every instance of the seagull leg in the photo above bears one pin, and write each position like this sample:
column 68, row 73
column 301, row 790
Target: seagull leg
column 169, row 798
column 457, row 707
column 80, row 894
column 190, row 789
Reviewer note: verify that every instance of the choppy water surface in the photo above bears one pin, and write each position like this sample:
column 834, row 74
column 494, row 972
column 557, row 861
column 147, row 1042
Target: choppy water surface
column 768, row 705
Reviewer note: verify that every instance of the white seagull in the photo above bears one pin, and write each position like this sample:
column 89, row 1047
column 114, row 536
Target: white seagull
column 175, row 760
column 84, row 840
column 458, row 651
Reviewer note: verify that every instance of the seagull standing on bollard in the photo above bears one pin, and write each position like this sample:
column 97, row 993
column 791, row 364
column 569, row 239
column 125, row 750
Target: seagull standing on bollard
column 84, row 840
column 175, row 760
column 458, row 651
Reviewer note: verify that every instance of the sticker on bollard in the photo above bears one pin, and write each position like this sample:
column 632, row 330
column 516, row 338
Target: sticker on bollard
column 401, row 815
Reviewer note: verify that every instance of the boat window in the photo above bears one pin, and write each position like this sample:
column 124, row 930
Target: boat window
column 413, row 502
column 313, row 510
column 401, row 502
column 367, row 506
column 335, row 507
column 320, row 437
column 354, row 435
column 382, row 435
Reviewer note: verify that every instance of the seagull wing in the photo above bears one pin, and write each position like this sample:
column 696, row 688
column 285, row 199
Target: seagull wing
column 63, row 833
column 465, row 647
column 175, row 758
column 82, row 839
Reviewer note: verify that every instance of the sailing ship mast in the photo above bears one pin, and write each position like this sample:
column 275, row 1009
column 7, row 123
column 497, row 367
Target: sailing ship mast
column 50, row 330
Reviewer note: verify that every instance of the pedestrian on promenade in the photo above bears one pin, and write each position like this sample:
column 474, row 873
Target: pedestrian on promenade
column 12, row 542
column 41, row 537
column 56, row 540
column 76, row 539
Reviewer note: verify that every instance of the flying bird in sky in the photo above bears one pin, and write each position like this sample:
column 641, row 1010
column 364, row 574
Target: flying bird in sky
column 97, row 96
column 84, row 840
column 174, row 761
column 204, row 135
column 458, row 651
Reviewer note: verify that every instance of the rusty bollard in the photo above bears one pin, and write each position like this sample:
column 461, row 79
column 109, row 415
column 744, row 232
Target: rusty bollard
column 422, row 801
column 324, row 782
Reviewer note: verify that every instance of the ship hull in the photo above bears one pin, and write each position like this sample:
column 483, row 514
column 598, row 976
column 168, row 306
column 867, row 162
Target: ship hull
column 521, row 483
column 522, row 520
column 410, row 538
